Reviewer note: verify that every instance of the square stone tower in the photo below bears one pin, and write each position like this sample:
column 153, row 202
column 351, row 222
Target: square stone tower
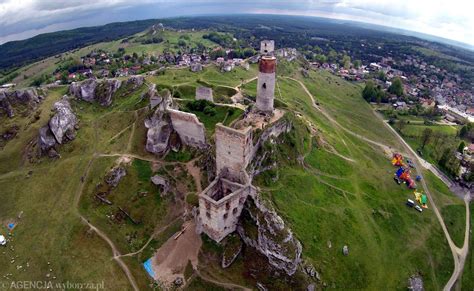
column 266, row 84
column 267, row 47
column 220, row 206
column 233, row 151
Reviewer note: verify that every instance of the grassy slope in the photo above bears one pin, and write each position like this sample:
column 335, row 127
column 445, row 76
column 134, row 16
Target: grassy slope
column 357, row 204
column 49, row 230
column 468, row 274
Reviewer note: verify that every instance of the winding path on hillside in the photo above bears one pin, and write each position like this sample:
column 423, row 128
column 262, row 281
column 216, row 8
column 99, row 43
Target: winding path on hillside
column 459, row 254
column 77, row 198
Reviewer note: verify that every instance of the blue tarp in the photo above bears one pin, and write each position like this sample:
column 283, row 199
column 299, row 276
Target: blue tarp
column 148, row 268
column 11, row 226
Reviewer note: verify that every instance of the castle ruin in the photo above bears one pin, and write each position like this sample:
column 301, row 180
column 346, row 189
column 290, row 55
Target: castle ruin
column 266, row 84
column 233, row 150
column 267, row 47
column 190, row 130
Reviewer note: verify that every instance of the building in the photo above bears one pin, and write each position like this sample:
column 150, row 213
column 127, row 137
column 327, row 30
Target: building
column 267, row 47
column 266, row 84
column 233, row 150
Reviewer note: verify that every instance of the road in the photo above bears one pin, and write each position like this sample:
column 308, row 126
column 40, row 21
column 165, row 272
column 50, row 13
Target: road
column 459, row 254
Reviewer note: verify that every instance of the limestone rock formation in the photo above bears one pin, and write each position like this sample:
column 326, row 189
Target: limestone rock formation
column 91, row 90
column 46, row 139
column 106, row 90
column 415, row 283
column 135, row 81
column 195, row 67
column 84, row 90
column 5, row 104
column 63, row 122
column 161, row 182
column 28, row 97
column 61, row 128
column 159, row 131
column 114, row 176
column 270, row 236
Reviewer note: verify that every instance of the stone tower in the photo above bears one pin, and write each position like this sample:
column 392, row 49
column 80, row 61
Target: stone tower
column 233, row 150
column 266, row 84
column 267, row 47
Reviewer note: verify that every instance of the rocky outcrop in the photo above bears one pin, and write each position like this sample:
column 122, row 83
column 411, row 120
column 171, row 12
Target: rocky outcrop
column 415, row 283
column 232, row 248
column 161, row 182
column 159, row 132
column 160, row 100
column 63, row 123
column 135, row 82
column 263, row 229
column 114, row 176
column 84, row 90
column 46, row 139
column 60, row 129
column 195, row 67
column 5, row 104
column 263, row 157
column 105, row 91
column 27, row 97
column 91, row 90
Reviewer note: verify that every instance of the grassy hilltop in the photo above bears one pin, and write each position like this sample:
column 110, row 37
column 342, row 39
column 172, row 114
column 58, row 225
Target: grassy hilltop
column 342, row 194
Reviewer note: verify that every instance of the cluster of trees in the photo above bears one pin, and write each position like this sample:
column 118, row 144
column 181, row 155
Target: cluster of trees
column 221, row 39
column 467, row 131
column 156, row 39
column 396, row 87
column 204, row 106
column 374, row 93
column 439, row 146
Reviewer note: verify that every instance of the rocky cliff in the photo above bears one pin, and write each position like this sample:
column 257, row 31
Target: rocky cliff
column 60, row 129
column 92, row 90
column 27, row 98
column 262, row 228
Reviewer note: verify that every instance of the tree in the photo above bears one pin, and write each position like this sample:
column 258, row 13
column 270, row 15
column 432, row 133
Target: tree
column 461, row 146
column 401, row 125
column 467, row 131
column 426, row 137
column 320, row 58
column 357, row 64
column 396, row 87
column 381, row 76
column 346, row 62
column 369, row 93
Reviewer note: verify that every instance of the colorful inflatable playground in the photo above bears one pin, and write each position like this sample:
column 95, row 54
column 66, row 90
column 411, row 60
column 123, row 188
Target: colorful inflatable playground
column 402, row 175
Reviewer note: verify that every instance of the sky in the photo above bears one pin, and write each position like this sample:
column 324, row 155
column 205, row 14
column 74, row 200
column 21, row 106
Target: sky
column 20, row 19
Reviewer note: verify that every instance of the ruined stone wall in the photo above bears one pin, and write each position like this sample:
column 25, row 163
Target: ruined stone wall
column 233, row 150
column 204, row 93
column 189, row 128
column 219, row 218
column 266, row 84
column 267, row 47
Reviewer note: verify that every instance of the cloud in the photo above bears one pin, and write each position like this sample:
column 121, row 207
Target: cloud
column 25, row 18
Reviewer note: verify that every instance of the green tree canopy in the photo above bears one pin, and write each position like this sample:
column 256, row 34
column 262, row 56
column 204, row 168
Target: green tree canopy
column 396, row 87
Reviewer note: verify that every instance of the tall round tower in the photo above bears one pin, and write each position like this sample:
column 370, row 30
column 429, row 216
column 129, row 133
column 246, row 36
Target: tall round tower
column 266, row 83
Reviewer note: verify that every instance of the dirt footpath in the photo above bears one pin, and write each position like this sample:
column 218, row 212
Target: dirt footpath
column 171, row 259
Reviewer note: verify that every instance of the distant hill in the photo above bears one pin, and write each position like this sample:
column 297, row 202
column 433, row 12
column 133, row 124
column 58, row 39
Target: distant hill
column 17, row 53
